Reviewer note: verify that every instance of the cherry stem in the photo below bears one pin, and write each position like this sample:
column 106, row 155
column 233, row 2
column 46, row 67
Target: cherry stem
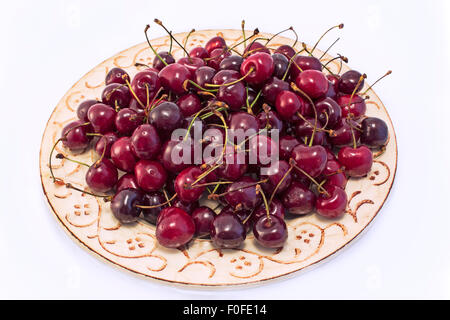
column 340, row 26
column 210, row 184
column 166, row 196
column 345, row 59
column 279, row 184
column 282, row 31
column 159, row 22
column 151, row 47
column 243, row 33
column 255, row 32
column 232, row 82
column 187, row 38
column 70, row 186
column 205, row 174
column 185, row 83
column 260, row 190
column 294, row 164
column 138, row 64
column 157, row 205
column 385, row 75
column 295, row 88
column 61, row 156
column 326, row 51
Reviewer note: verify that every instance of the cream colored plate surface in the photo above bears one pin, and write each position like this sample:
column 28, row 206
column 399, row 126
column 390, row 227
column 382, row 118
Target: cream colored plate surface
column 134, row 247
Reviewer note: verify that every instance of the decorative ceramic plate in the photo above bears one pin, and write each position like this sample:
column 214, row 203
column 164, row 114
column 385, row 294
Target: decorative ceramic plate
column 134, row 247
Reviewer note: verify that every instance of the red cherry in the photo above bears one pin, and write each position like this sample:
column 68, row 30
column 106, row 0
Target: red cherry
column 215, row 43
column 175, row 229
column 333, row 174
column 203, row 218
column 286, row 144
column 127, row 120
column 173, row 77
column 304, row 63
column 189, row 104
column 122, row 156
column 199, row 52
column 313, row 83
column 183, row 184
column 216, row 57
column 332, row 205
column 298, row 199
column 255, row 47
column 192, row 63
column 243, row 192
column 124, row 205
column 157, row 62
column 287, row 104
column 272, row 88
column 102, row 176
column 227, row 231
column 143, row 82
column 348, row 82
column 262, row 64
column 145, row 142
column 116, row 75
column 270, row 231
column 287, row 50
column 356, row 106
column 150, row 175
column 74, row 136
column 310, row 159
column 116, row 94
column 127, row 181
column 102, row 117
column 357, row 161
column 104, row 144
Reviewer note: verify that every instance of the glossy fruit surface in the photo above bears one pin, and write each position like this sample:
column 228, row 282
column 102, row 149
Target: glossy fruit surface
column 227, row 231
column 175, row 229
column 270, row 231
column 374, row 132
column 123, row 205
column 150, row 175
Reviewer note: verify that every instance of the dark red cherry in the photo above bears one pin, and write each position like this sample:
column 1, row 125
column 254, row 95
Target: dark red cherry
column 153, row 199
column 334, row 174
column 354, row 107
column 234, row 165
column 83, row 108
column 242, row 214
column 145, row 142
column 204, row 75
column 286, row 144
column 233, row 95
column 304, row 63
column 189, row 207
column 183, row 184
column 172, row 156
column 374, row 132
column 313, row 83
column 244, row 121
column 203, row 218
column 255, row 47
column 342, row 132
column 272, row 88
column 117, row 75
column 175, row 229
column 166, row 56
column 224, row 76
column 150, row 175
column 215, row 43
column 74, row 136
column 331, row 93
column 127, row 181
column 189, row 104
column 232, row 62
column 199, row 52
column 102, row 117
column 216, row 56
column 262, row 150
column 348, row 82
column 304, row 129
column 357, row 161
column 122, row 156
column 298, row 199
column 243, row 192
column 116, row 94
column 192, row 63
column 312, row 160
column 280, row 64
column 332, row 205
column 103, row 145
column 328, row 112
column 102, row 176
column 227, row 231
column 145, row 85
column 127, row 120
column 270, row 120
column 287, row 50
column 124, row 205
column 173, row 76
column 277, row 173
column 262, row 65
column 166, row 117
column 287, row 104
column 270, row 231
column 251, row 97
column 276, row 208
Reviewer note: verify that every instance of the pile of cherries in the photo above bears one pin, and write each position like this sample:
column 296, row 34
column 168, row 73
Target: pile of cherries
column 325, row 139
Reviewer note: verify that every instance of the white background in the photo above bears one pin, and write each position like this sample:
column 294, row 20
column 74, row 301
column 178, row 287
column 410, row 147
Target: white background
column 46, row 46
